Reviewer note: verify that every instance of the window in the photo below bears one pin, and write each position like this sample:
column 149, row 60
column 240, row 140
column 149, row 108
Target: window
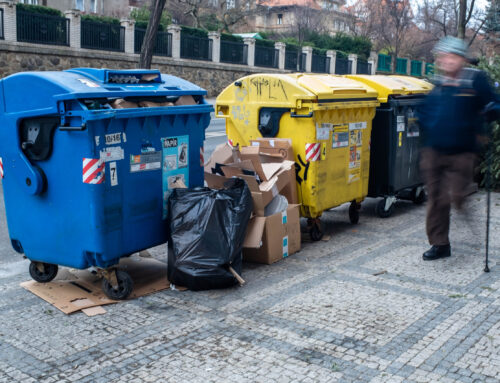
column 93, row 6
column 32, row 2
column 79, row 5
column 213, row 3
column 280, row 19
column 231, row 4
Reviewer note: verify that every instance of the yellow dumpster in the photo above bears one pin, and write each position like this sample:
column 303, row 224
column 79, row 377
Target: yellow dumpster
column 409, row 82
column 329, row 120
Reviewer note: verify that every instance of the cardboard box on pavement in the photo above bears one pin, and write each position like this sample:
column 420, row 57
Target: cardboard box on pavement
column 272, row 238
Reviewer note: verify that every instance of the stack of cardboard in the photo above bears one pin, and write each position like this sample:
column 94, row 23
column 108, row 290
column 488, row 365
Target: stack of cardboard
column 269, row 170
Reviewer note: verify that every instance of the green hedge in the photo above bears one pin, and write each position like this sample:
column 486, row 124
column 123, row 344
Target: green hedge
column 38, row 9
column 265, row 43
column 141, row 17
column 319, row 51
column 293, row 48
column 194, row 31
column 230, row 37
column 100, row 19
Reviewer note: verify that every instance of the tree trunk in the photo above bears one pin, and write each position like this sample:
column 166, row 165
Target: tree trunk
column 462, row 15
column 149, row 41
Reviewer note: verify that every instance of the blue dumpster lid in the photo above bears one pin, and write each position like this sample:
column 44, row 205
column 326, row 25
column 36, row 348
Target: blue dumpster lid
column 37, row 90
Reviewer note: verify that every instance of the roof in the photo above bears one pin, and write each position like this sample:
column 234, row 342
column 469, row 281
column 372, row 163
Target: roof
column 253, row 35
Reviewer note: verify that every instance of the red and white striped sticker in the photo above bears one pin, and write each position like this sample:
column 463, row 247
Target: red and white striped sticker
column 1, row 167
column 93, row 171
column 313, row 152
column 202, row 157
column 230, row 142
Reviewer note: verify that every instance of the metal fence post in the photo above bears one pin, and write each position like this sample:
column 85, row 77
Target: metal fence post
column 215, row 37
column 250, row 42
column 9, row 20
column 309, row 54
column 333, row 58
column 75, row 27
column 281, row 47
column 353, row 58
column 175, row 30
column 129, row 26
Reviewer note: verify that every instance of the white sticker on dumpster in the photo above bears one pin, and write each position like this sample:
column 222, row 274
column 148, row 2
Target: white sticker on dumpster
column 114, row 153
column 114, row 138
column 145, row 161
column 357, row 125
column 113, row 176
column 323, row 131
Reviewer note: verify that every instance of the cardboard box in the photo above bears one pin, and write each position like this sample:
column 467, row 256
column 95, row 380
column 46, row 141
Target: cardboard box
column 262, row 193
column 275, row 147
column 272, row 238
column 223, row 154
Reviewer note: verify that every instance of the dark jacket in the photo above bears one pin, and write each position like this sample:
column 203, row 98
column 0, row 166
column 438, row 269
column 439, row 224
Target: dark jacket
column 451, row 116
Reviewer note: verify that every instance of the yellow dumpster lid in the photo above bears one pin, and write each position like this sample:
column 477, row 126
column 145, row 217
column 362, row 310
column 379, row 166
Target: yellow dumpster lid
column 426, row 86
column 334, row 88
column 284, row 90
column 390, row 85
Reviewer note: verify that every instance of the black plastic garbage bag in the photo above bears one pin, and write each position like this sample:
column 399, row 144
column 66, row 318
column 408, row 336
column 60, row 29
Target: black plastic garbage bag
column 207, row 229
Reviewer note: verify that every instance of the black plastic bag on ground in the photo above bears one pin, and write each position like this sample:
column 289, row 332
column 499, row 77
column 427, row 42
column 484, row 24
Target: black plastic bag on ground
column 207, row 229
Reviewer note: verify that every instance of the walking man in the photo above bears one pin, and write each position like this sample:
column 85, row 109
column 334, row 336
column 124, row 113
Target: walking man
column 452, row 126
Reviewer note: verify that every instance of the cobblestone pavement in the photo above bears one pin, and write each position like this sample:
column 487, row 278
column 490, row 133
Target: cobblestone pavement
column 361, row 307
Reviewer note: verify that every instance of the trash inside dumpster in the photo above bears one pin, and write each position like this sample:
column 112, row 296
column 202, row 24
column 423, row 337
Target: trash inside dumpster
column 89, row 159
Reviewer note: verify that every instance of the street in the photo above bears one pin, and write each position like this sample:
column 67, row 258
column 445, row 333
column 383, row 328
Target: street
column 215, row 133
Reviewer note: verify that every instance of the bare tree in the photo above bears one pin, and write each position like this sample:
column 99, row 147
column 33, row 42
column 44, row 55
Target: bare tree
column 151, row 32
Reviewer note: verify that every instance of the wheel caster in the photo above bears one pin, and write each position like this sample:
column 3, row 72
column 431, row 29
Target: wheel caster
column 117, row 284
column 383, row 210
column 315, row 230
column 354, row 212
column 418, row 195
column 43, row 272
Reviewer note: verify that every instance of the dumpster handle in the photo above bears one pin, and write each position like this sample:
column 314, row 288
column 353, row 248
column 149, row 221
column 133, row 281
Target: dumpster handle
column 293, row 114
column 73, row 128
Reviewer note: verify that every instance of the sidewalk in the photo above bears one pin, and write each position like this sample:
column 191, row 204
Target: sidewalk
column 361, row 307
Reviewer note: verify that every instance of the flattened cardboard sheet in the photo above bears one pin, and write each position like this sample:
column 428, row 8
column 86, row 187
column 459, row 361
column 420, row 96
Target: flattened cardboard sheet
column 75, row 290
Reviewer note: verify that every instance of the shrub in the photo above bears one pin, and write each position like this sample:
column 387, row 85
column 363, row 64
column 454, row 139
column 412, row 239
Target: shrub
column 194, row 31
column 230, row 37
column 141, row 17
column 494, row 73
column 38, row 9
column 100, row 19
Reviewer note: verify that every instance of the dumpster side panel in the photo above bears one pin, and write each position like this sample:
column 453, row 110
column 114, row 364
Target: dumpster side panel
column 78, row 223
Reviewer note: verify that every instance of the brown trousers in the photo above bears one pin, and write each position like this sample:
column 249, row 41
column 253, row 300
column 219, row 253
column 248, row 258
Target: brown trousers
column 448, row 179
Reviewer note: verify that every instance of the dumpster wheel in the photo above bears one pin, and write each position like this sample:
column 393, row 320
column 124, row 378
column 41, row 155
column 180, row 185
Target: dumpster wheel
column 382, row 210
column 418, row 196
column 43, row 272
column 116, row 284
column 315, row 230
column 354, row 212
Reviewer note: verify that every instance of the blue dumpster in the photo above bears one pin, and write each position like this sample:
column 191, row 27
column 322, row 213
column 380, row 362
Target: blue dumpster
column 89, row 156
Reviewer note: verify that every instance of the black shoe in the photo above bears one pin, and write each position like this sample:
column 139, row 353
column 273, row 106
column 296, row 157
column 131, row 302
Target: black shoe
column 436, row 252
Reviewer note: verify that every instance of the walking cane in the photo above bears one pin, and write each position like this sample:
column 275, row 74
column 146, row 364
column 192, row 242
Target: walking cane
column 488, row 202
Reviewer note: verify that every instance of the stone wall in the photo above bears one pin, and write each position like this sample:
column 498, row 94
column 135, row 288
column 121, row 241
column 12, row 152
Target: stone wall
column 214, row 77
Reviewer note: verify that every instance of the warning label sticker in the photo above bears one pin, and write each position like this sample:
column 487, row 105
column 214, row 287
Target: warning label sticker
column 357, row 125
column 145, row 161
